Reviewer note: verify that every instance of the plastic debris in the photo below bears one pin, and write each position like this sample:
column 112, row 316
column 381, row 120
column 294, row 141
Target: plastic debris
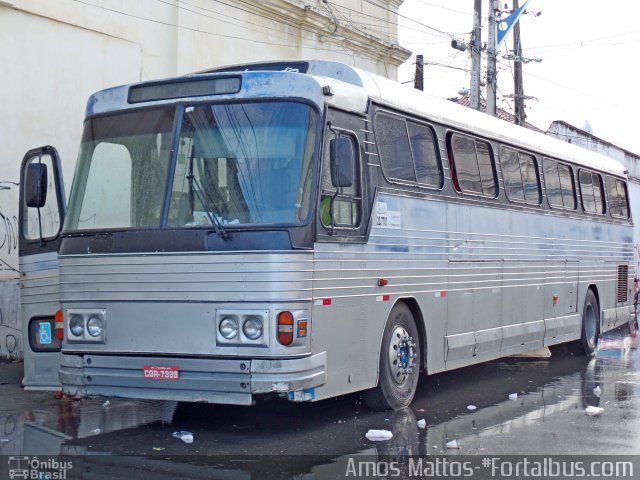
column 379, row 435
column 594, row 411
column 597, row 391
column 471, row 407
column 453, row 444
column 422, row 423
column 186, row 437
column 106, row 404
column 513, row 396
column 96, row 431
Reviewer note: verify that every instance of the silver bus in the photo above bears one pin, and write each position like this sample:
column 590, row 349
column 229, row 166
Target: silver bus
column 307, row 229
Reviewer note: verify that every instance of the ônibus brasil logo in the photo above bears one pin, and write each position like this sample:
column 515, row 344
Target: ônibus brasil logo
column 23, row 467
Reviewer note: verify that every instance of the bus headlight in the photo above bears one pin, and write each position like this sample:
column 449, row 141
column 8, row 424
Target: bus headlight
column 228, row 328
column 95, row 327
column 86, row 325
column 76, row 325
column 252, row 328
column 242, row 328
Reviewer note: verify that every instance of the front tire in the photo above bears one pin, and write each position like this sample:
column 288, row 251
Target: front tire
column 399, row 364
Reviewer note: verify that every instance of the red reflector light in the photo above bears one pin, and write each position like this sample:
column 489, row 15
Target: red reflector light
column 326, row 301
column 59, row 324
column 285, row 328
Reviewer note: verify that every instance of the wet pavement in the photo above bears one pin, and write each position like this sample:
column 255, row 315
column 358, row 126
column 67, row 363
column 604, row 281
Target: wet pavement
column 278, row 439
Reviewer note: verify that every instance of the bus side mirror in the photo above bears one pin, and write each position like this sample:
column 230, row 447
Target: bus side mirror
column 35, row 189
column 342, row 159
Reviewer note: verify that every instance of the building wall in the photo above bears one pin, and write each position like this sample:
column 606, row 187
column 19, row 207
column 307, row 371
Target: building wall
column 630, row 160
column 55, row 53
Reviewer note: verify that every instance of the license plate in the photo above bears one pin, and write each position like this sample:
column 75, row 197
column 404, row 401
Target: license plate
column 155, row 372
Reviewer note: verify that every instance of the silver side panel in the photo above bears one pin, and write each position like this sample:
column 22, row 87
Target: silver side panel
column 489, row 282
column 39, row 296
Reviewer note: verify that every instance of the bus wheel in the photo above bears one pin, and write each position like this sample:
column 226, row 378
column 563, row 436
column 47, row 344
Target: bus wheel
column 399, row 362
column 590, row 324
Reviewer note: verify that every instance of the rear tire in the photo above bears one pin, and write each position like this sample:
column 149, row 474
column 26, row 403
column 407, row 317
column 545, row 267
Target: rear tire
column 590, row 324
column 399, row 363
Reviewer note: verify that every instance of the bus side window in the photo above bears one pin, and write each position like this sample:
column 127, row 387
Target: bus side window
column 617, row 198
column 473, row 170
column 591, row 191
column 558, row 179
column 520, row 175
column 408, row 151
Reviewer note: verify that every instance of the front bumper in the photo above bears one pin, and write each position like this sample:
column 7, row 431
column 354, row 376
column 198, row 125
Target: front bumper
column 228, row 381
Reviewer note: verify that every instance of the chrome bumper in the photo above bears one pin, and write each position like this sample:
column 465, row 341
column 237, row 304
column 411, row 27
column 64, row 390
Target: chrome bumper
column 227, row 381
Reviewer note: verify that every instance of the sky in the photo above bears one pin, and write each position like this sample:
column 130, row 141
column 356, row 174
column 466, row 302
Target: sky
column 589, row 70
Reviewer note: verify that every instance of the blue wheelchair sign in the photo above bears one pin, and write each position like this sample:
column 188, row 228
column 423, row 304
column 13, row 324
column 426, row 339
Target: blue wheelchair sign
column 45, row 333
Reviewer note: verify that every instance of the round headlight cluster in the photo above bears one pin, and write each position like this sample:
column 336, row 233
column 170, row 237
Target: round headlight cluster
column 76, row 325
column 228, row 328
column 95, row 327
column 252, row 328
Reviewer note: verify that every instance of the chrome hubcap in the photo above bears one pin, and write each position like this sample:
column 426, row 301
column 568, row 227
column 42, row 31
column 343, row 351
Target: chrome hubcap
column 402, row 355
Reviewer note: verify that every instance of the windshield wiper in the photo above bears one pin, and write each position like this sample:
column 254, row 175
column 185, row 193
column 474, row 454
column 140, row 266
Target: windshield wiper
column 206, row 202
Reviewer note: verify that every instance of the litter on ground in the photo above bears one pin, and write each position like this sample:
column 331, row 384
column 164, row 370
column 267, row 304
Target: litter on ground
column 594, row 411
column 186, row 437
column 379, row 435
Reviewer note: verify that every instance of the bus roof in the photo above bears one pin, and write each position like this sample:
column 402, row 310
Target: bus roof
column 353, row 88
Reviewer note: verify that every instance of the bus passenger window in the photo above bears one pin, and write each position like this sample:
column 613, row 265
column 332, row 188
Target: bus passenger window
column 520, row 175
column 566, row 184
column 530, row 178
column 559, row 184
column 408, row 151
column 511, row 174
column 393, row 144
column 617, row 198
column 472, row 165
column 425, row 155
column 591, row 191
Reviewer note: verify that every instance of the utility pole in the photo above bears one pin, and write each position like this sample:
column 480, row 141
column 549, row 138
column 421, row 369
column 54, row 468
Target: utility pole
column 476, row 44
column 491, row 59
column 418, row 81
column 518, row 88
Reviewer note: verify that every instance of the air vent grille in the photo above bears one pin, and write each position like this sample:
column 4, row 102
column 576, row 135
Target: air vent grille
column 623, row 281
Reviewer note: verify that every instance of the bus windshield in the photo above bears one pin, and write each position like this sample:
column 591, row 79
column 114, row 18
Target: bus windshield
column 234, row 164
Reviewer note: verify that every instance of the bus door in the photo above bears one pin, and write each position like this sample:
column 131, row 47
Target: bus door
column 41, row 213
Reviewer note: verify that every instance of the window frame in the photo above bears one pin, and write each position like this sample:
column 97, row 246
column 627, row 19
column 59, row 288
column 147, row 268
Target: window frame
column 603, row 202
column 524, row 191
column 453, row 168
column 610, row 209
column 406, row 121
column 558, row 163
